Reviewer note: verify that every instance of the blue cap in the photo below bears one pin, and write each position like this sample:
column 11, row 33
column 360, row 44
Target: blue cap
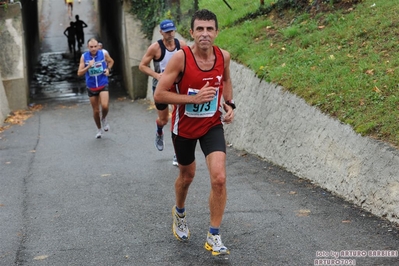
column 167, row 25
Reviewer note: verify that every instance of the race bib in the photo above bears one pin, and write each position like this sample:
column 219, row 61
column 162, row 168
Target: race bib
column 96, row 70
column 201, row 110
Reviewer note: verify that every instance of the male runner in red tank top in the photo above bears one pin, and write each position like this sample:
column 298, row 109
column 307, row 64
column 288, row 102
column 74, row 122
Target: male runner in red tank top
column 201, row 74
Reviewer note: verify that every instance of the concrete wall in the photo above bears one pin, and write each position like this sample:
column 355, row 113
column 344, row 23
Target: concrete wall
column 121, row 33
column 4, row 108
column 12, row 57
column 135, row 47
column 283, row 129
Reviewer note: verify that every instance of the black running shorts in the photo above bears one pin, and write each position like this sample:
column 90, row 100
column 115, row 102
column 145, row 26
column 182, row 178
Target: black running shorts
column 96, row 93
column 212, row 141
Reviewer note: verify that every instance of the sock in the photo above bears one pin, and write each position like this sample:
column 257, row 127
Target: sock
column 180, row 212
column 214, row 230
column 159, row 129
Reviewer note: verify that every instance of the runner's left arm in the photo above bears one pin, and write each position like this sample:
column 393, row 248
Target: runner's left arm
column 110, row 62
column 227, row 89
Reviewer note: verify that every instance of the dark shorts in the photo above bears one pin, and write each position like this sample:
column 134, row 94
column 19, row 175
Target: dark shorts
column 159, row 106
column 96, row 93
column 212, row 141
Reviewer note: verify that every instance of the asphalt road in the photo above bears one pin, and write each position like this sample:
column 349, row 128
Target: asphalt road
column 67, row 198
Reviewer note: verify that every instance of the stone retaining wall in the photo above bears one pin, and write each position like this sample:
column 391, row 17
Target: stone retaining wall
column 284, row 129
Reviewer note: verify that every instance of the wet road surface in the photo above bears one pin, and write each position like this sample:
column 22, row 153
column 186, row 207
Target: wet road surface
column 55, row 78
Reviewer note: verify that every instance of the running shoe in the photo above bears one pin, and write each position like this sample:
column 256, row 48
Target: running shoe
column 105, row 124
column 159, row 143
column 174, row 162
column 214, row 243
column 179, row 227
column 98, row 135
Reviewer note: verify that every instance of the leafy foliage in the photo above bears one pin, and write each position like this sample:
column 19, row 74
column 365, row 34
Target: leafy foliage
column 149, row 13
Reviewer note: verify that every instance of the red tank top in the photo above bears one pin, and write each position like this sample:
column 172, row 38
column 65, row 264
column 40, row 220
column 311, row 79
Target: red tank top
column 194, row 120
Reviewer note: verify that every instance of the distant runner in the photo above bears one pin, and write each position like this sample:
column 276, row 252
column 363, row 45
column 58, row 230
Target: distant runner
column 69, row 4
column 96, row 65
column 80, row 36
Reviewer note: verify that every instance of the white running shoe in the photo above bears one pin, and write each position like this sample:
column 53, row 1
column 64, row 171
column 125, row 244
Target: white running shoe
column 98, row 135
column 214, row 243
column 174, row 162
column 179, row 227
column 105, row 124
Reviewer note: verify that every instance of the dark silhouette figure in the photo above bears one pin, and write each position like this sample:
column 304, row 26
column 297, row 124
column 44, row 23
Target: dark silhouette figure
column 80, row 36
column 70, row 32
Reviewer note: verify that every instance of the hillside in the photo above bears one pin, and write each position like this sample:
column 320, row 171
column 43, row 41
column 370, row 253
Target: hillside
column 340, row 58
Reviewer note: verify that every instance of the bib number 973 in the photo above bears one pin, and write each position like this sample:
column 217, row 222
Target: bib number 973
column 207, row 109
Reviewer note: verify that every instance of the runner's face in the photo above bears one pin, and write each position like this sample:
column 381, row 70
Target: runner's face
column 204, row 33
column 93, row 47
column 168, row 36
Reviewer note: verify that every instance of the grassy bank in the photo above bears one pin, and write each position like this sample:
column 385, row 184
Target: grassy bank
column 344, row 61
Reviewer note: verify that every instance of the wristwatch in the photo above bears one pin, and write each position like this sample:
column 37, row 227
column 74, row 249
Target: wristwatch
column 231, row 103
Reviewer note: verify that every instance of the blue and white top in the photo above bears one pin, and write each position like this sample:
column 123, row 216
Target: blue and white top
column 95, row 77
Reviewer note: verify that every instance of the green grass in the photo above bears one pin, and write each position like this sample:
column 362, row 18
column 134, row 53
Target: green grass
column 344, row 62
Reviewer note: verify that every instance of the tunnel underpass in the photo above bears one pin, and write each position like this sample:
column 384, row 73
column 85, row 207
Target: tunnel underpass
column 51, row 67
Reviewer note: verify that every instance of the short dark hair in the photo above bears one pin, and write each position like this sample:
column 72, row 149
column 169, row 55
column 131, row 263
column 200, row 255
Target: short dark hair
column 92, row 39
column 204, row 14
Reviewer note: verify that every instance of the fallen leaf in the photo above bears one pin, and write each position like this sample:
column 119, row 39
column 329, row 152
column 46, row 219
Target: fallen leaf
column 2, row 129
column 36, row 107
column 370, row 72
column 376, row 89
column 302, row 213
column 18, row 117
column 41, row 257
column 151, row 107
column 390, row 71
